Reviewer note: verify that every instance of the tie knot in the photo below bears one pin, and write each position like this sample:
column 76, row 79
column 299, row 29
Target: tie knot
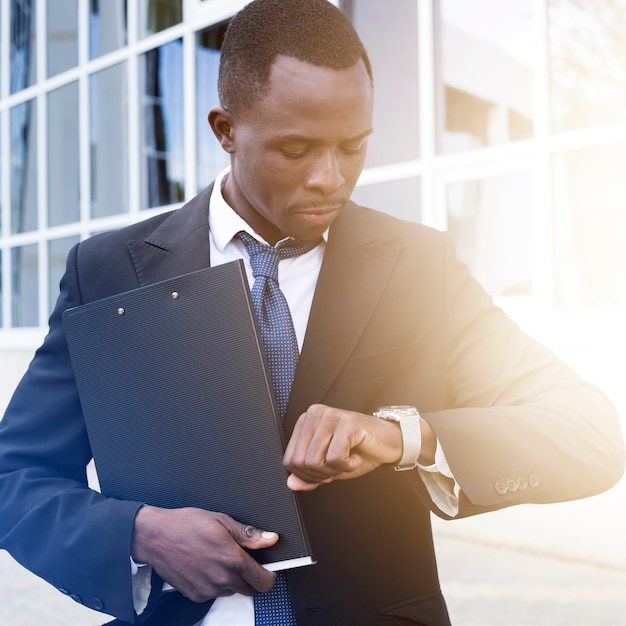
column 264, row 258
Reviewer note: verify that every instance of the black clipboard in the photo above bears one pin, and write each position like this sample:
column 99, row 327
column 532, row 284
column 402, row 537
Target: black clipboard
column 179, row 406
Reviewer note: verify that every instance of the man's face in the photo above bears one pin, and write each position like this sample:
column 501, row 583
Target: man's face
column 296, row 154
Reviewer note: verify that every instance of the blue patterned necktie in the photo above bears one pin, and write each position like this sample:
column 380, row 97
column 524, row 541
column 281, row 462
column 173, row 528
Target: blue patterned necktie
column 281, row 347
column 276, row 325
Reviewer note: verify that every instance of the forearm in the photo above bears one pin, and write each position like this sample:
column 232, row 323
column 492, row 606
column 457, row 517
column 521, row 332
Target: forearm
column 334, row 444
column 201, row 553
column 50, row 521
column 73, row 537
column 543, row 452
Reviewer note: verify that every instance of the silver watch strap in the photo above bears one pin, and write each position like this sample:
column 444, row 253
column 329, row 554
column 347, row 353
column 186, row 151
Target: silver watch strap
column 411, row 441
column 409, row 420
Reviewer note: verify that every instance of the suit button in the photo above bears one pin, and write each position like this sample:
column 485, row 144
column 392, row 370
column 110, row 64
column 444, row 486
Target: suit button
column 500, row 487
column 533, row 480
column 75, row 598
column 511, row 485
column 65, row 592
column 97, row 604
column 522, row 483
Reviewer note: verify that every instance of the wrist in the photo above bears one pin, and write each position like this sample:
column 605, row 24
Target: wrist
column 429, row 444
column 408, row 420
column 144, row 533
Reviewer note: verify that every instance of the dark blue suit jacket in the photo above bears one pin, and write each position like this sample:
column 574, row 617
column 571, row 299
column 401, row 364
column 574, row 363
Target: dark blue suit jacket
column 396, row 319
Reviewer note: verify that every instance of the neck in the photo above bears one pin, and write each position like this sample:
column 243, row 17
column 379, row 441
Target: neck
column 246, row 212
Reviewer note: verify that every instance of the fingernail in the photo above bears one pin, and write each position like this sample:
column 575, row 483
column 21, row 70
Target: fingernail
column 266, row 534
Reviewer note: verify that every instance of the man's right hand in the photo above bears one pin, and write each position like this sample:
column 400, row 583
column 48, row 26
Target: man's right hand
column 200, row 553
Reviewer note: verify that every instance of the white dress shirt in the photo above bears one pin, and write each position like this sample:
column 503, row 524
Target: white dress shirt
column 297, row 278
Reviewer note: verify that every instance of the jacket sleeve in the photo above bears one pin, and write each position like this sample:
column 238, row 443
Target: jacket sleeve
column 522, row 426
column 50, row 521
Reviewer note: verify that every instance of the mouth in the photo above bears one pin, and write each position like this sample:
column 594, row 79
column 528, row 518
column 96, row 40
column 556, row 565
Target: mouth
column 319, row 216
column 319, row 210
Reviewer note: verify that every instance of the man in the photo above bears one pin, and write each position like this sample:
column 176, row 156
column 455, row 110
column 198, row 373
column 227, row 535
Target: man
column 383, row 314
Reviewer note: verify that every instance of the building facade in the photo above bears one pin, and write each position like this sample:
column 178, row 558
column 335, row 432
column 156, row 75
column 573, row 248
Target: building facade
column 502, row 121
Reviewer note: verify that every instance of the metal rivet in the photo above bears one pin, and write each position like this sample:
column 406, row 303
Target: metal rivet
column 121, row 311
column 175, row 295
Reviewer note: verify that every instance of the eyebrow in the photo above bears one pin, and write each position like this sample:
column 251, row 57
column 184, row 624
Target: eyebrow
column 304, row 139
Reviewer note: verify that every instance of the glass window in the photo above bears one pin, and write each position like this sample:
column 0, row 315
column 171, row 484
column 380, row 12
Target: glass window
column 25, row 296
column 390, row 38
column 1, row 177
column 590, row 227
column 211, row 157
column 163, row 166
column 23, row 53
column 108, row 123
column 107, row 26
column 2, row 64
column 157, row 15
column 484, row 73
column 490, row 222
column 57, row 255
column 1, row 294
column 23, row 123
column 62, row 35
column 587, row 65
column 63, row 156
column 400, row 198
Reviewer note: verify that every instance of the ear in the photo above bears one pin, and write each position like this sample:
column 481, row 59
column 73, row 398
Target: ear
column 221, row 122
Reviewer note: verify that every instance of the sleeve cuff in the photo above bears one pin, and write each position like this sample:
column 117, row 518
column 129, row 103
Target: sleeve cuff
column 441, row 484
column 142, row 585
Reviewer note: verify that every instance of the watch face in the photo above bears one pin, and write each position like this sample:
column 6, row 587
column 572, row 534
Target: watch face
column 396, row 412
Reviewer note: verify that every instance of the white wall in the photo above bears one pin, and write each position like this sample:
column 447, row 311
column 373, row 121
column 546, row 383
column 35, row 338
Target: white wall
column 13, row 364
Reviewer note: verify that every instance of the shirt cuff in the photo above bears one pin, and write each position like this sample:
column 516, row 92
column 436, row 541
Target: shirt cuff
column 142, row 585
column 440, row 484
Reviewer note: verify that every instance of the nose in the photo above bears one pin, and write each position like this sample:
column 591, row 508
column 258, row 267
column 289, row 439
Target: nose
column 325, row 174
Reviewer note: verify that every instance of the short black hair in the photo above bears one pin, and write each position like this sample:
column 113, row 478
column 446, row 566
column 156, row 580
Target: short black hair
column 314, row 31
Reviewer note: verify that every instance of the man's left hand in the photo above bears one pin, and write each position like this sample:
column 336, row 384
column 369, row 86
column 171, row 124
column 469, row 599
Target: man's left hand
column 332, row 444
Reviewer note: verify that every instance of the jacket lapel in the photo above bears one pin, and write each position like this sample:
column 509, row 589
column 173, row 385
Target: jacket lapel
column 357, row 264
column 179, row 245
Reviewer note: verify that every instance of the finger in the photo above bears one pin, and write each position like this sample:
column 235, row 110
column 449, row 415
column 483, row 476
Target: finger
column 258, row 578
column 340, row 455
column 249, row 576
column 295, row 436
column 329, row 455
column 301, row 437
column 295, row 483
column 253, row 577
column 307, row 449
column 251, row 537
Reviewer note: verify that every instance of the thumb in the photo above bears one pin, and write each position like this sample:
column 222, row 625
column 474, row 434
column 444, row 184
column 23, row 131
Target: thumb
column 296, row 483
column 253, row 538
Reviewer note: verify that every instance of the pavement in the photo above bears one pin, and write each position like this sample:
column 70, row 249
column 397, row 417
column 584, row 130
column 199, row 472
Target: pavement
column 489, row 586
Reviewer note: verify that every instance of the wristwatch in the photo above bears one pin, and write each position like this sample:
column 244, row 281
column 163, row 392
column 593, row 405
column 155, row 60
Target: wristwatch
column 409, row 420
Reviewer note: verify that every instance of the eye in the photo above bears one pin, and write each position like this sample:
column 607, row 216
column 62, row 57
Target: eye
column 354, row 147
column 294, row 154
column 293, row 150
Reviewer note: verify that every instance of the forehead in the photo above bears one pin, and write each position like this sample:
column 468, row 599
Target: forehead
column 312, row 96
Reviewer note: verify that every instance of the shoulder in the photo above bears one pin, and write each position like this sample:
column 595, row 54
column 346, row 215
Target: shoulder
column 165, row 229
column 421, row 253
column 106, row 263
column 112, row 240
column 382, row 226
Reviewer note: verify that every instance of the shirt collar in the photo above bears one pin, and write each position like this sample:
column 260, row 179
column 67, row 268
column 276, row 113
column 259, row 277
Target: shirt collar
column 224, row 222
